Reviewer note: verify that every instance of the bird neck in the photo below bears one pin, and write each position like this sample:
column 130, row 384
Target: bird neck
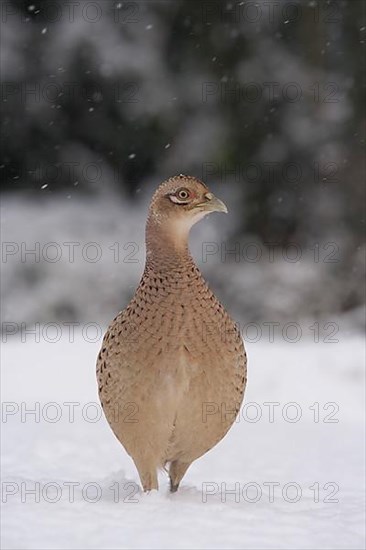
column 167, row 248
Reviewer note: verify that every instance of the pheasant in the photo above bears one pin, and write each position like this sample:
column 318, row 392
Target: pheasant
column 172, row 368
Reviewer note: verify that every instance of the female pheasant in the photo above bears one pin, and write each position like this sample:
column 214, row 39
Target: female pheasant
column 172, row 368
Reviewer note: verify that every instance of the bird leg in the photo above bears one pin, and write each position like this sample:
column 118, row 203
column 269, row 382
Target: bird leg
column 148, row 475
column 176, row 472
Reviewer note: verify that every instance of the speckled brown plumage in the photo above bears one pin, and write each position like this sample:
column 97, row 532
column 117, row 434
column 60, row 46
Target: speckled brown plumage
column 172, row 368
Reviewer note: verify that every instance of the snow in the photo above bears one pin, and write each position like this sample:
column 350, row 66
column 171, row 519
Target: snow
column 80, row 450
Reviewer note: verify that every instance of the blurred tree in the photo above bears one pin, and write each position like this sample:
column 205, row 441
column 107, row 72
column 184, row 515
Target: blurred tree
column 281, row 95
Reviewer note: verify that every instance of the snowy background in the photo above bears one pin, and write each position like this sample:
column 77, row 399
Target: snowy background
column 263, row 100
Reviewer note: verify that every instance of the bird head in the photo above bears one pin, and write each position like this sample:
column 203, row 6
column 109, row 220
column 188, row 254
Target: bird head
column 182, row 201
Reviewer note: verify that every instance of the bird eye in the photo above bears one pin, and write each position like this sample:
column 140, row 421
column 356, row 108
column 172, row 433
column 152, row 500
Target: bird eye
column 183, row 194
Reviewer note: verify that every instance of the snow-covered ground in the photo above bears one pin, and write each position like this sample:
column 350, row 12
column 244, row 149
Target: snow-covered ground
column 298, row 485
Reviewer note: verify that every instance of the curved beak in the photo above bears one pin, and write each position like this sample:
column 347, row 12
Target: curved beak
column 213, row 204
